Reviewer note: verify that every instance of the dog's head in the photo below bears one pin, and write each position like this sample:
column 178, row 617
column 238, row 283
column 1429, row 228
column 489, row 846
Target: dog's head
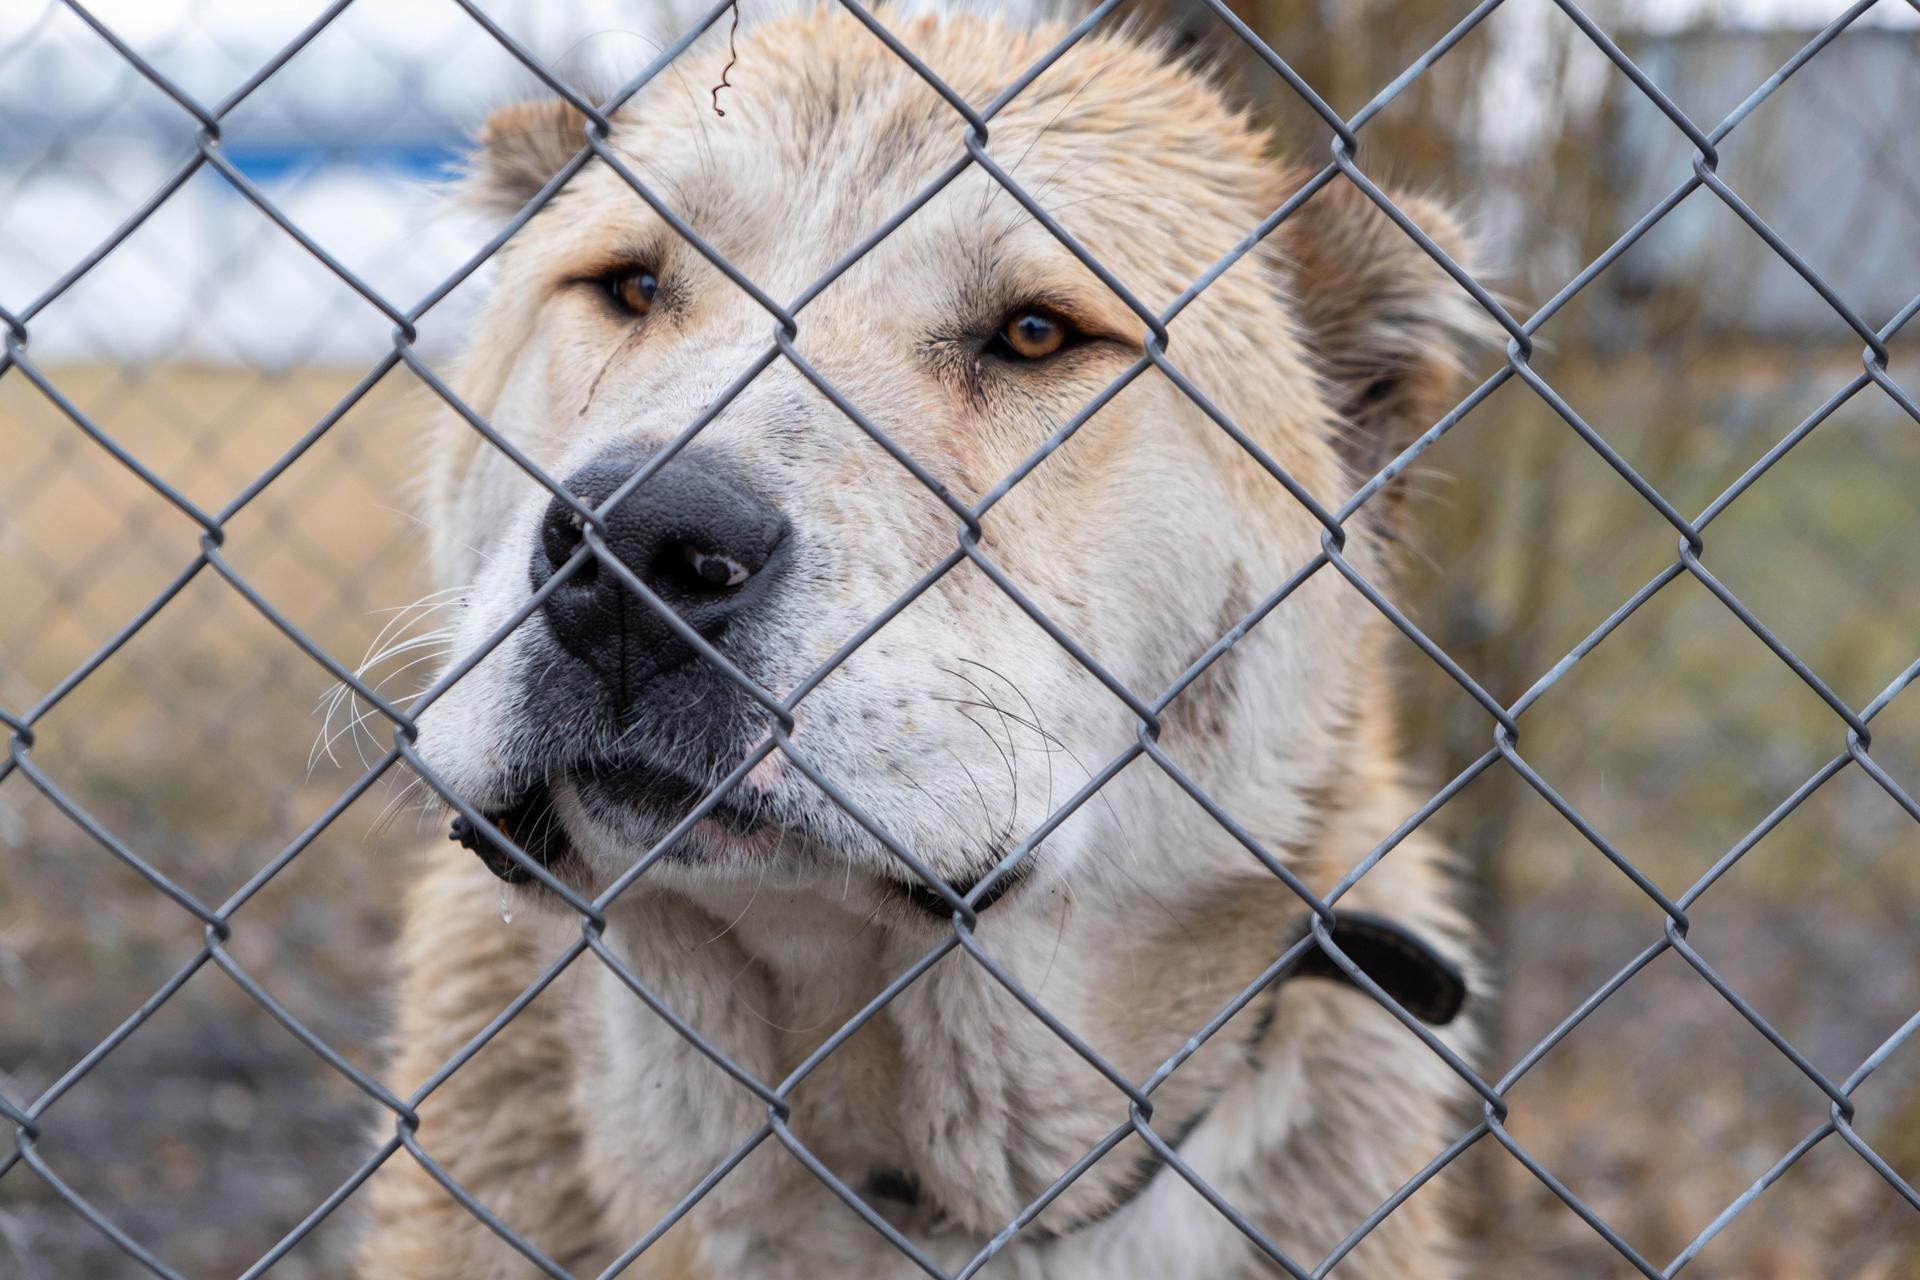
column 828, row 568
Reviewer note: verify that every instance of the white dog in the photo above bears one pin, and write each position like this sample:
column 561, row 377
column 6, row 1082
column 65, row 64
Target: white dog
column 969, row 335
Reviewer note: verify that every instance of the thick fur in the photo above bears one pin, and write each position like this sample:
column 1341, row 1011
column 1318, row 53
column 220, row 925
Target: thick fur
column 961, row 725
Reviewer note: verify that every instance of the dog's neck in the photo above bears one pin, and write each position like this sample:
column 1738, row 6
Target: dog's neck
column 955, row 1074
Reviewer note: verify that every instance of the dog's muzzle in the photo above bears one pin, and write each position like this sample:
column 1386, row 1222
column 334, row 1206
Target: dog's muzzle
column 693, row 534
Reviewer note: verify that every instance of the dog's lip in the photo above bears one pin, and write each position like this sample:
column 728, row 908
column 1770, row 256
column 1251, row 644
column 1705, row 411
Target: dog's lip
column 528, row 817
column 672, row 797
column 637, row 783
column 627, row 781
column 529, row 822
column 927, row 899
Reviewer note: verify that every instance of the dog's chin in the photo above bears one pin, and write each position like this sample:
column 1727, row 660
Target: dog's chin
column 601, row 816
column 588, row 825
column 627, row 814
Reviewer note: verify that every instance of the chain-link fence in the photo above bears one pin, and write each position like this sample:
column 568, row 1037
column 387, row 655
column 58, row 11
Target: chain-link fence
column 198, row 515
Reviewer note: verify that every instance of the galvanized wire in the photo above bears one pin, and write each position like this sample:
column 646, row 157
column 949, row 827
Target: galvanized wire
column 29, row 1120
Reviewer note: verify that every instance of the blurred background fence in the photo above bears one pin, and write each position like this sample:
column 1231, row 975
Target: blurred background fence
column 209, row 341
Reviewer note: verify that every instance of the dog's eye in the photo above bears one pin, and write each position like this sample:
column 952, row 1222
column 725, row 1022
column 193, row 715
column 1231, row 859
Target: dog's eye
column 1032, row 334
column 634, row 290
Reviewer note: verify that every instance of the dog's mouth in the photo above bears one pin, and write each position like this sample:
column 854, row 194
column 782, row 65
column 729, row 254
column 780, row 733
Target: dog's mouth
column 620, row 795
column 616, row 791
column 630, row 795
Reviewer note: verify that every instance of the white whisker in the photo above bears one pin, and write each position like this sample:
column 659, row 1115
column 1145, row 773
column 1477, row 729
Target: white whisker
column 390, row 642
column 392, row 807
column 363, row 716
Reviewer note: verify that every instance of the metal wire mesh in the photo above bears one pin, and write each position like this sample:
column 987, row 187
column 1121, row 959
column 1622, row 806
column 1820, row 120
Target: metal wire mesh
column 31, row 1119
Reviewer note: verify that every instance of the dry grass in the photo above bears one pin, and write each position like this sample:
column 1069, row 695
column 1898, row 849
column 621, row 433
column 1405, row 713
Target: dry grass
column 1675, row 738
column 211, row 1132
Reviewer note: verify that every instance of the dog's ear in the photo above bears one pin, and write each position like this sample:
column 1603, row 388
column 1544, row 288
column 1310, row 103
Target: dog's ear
column 1384, row 323
column 521, row 147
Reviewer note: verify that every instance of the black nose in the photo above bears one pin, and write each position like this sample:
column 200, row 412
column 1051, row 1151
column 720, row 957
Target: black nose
column 693, row 533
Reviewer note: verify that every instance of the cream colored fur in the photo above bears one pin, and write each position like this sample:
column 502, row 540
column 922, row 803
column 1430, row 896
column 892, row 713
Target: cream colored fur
column 1147, row 537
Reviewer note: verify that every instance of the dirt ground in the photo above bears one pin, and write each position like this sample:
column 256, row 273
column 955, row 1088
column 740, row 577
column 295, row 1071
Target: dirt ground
column 211, row 1132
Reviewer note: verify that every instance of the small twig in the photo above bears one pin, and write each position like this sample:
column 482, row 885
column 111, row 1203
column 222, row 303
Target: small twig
column 733, row 56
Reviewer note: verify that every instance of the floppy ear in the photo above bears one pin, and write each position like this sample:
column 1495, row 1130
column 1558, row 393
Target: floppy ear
column 1385, row 324
column 521, row 147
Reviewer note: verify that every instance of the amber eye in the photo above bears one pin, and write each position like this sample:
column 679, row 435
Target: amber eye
column 1033, row 335
column 634, row 290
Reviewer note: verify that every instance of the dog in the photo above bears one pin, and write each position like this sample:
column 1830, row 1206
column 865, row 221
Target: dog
column 924, row 823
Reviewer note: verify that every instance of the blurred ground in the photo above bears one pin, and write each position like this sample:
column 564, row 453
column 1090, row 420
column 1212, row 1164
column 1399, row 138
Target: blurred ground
column 211, row 1132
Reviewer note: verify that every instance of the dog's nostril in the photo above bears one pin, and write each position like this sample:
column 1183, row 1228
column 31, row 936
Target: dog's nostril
column 684, row 571
column 715, row 569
